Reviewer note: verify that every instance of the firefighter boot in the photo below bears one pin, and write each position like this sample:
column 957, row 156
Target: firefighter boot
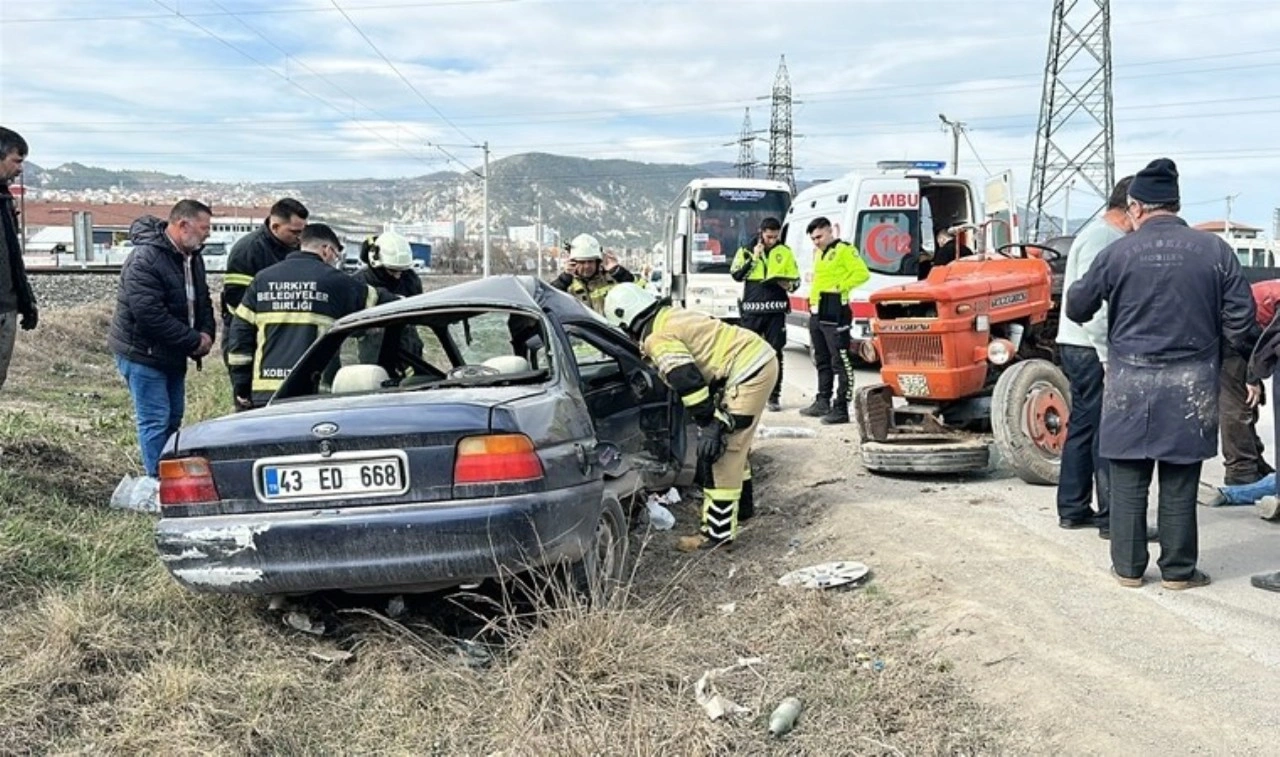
column 839, row 413
column 820, row 407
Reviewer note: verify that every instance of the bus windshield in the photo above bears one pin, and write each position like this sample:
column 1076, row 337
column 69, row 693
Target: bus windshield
column 726, row 219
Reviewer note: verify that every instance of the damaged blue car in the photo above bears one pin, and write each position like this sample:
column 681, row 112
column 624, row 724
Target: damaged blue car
column 465, row 434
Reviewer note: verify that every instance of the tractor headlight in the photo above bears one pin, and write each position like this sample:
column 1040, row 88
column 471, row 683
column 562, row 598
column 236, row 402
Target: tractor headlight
column 1000, row 351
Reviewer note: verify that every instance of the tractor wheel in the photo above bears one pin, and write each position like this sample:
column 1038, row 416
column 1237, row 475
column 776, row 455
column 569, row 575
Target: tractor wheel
column 1030, row 408
column 927, row 454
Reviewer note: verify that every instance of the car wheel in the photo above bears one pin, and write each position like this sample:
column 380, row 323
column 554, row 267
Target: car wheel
column 598, row 574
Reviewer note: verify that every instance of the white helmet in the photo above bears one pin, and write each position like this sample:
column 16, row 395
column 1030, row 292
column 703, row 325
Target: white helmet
column 585, row 247
column 627, row 302
column 391, row 251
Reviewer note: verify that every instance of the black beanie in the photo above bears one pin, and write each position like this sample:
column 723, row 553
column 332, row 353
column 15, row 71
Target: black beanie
column 1157, row 184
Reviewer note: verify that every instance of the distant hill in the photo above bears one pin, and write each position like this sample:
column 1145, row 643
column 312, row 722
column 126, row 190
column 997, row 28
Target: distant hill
column 79, row 176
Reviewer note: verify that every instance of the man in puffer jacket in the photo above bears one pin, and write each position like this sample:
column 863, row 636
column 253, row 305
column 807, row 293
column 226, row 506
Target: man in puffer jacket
column 164, row 317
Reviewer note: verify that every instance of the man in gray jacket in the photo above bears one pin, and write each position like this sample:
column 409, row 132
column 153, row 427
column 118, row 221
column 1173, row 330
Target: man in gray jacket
column 1083, row 348
column 1173, row 294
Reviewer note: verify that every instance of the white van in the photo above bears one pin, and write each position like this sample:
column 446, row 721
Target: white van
column 890, row 217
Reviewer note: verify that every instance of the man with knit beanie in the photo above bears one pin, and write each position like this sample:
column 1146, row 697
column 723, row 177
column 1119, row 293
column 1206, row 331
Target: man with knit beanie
column 1173, row 294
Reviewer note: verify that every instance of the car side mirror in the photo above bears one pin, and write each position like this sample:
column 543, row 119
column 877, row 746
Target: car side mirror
column 641, row 384
column 608, row 457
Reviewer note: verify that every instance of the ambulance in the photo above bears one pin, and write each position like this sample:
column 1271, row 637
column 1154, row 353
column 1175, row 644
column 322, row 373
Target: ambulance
column 892, row 217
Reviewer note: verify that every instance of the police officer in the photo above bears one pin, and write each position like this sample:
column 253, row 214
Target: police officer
column 723, row 374
column 768, row 271
column 287, row 307
column 587, row 279
column 837, row 270
column 1173, row 293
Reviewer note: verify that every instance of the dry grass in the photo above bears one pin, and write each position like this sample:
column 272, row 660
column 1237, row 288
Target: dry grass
column 101, row 652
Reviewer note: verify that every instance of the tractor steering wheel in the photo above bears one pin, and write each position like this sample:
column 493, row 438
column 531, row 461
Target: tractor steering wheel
column 1047, row 254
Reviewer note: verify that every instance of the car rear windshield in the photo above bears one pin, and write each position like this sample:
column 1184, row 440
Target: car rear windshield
column 419, row 352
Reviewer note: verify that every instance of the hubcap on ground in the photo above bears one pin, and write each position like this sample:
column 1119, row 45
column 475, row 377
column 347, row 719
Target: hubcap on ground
column 1046, row 418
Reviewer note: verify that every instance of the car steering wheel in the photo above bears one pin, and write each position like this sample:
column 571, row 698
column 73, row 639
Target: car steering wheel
column 472, row 371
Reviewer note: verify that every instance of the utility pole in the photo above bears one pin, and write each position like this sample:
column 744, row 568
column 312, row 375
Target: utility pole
column 1226, row 226
column 537, row 232
column 956, row 127
column 1076, row 135
column 485, row 147
column 781, row 163
column 1066, row 209
column 746, row 149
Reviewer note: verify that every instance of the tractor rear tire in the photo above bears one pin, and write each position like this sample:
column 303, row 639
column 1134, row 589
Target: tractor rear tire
column 1030, row 409
column 928, row 455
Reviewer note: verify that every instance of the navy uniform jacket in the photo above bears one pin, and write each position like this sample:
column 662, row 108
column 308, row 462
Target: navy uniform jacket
column 1173, row 293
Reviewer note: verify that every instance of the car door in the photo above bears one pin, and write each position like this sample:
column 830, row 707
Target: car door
column 628, row 403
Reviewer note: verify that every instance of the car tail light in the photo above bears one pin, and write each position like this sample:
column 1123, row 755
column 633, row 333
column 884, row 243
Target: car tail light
column 495, row 458
column 187, row 481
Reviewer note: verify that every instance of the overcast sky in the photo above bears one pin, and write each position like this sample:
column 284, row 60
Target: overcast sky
column 298, row 89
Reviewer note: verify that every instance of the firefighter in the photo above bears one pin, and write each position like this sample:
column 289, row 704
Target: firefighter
column 723, row 374
column 263, row 247
column 769, row 273
column 837, row 270
column 285, row 309
column 388, row 268
column 587, row 278
column 389, row 265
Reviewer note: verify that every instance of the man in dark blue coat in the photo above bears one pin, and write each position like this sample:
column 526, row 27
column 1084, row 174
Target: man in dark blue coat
column 1172, row 294
column 164, row 316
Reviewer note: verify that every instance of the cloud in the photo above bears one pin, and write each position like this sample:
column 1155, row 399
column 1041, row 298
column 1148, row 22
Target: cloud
column 235, row 90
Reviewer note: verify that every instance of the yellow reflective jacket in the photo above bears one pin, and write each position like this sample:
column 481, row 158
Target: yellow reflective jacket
column 766, row 280
column 839, row 268
column 693, row 351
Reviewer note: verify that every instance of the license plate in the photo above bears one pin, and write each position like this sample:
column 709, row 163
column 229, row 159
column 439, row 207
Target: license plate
column 332, row 478
column 913, row 385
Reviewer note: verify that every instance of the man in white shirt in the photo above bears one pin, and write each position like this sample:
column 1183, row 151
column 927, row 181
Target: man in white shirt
column 1084, row 357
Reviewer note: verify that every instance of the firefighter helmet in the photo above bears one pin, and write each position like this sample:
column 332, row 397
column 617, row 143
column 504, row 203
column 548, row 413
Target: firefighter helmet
column 626, row 303
column 585, row 247
column 392, row 252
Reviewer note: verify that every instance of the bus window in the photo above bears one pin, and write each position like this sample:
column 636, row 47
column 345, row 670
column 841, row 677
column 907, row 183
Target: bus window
column 728, row 219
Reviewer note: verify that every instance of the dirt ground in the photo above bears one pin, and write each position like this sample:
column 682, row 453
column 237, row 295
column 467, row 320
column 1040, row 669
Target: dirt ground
column 1028, row 611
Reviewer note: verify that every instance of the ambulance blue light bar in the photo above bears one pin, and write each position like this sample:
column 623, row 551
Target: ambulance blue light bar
column 933, row 166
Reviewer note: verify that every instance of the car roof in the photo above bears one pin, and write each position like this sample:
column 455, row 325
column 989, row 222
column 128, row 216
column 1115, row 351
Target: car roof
column 521, row 292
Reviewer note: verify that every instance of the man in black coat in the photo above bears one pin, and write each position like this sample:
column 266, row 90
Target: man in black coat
column 259, row 249
column 164, row 317
column 1173, row 294
column 16, row 297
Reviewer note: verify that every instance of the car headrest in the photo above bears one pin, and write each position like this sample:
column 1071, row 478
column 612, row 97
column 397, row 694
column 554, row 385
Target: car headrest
column 508, row 364
column 359, row 378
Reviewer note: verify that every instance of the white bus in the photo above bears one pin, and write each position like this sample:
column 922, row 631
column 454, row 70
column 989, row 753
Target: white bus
column 705, row 226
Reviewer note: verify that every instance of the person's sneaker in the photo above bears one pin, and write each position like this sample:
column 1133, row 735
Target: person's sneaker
column 1197, row 579
column 1268, row 507
column 1210, row 496
column 1266, row 581
column 838, row 414
column 820, row 407
column 1126, row 581
column 774, row 406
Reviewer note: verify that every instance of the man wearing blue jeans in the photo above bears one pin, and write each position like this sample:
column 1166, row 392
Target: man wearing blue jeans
column 164, row 316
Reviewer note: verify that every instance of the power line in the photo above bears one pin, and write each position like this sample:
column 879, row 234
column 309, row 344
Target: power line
column 407, row 83
column 291, row 82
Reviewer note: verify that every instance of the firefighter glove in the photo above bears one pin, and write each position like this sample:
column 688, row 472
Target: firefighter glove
column 711, row 440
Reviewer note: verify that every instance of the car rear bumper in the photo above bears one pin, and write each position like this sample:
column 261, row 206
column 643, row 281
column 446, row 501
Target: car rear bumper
column 419, row 546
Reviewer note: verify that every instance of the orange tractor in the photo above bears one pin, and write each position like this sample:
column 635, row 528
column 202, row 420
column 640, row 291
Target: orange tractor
column 967, row 355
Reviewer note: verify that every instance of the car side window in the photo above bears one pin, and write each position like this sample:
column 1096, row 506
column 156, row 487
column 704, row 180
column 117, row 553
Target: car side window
column 586, row 353
column 481, row 336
